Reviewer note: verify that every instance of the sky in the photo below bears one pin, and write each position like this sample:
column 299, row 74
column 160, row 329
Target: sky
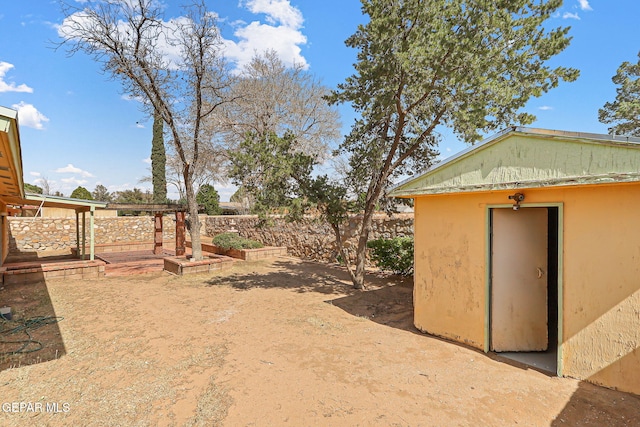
column 78, row 128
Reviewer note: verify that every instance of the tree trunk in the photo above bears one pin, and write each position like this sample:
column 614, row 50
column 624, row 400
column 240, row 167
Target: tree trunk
column 343, row 252
column 361, row 251
column 194, row 220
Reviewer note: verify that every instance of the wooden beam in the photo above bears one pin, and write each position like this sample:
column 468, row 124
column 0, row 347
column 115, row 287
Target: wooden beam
column 147, row 207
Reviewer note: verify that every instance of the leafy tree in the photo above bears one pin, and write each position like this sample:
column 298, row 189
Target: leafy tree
column 624, row 112
column 158, row 161
column 175, row 67
column 30, row 188
column 271, row 98
column 470, row 65
column 101, row 193
column 135, row 196
column 269, row 168
column 81, row 193
column 209, row 198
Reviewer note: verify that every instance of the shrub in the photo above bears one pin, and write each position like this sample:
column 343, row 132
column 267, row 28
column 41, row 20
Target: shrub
column 395, row 255
column 228, row 241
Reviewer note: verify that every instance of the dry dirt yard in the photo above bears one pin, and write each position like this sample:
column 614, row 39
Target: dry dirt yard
column 274, row 343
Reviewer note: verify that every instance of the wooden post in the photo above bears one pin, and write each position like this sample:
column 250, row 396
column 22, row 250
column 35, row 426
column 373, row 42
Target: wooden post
column 180, row 234
column 157, row 236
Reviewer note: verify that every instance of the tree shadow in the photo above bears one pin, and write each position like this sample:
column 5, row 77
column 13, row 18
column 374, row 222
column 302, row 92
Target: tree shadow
column 599, row 406
column 387, row 301
column 294, row 275
column 32, row 335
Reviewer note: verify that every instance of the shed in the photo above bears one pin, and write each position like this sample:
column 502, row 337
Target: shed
column 528, row 245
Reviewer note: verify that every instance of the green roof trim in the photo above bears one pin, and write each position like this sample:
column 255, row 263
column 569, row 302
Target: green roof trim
column 63, row 202
column 521, row 157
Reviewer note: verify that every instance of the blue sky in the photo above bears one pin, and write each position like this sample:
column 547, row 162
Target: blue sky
column 77, row 128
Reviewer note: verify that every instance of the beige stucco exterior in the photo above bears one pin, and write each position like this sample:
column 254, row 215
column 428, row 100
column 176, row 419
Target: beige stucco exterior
column 600, row 312
column 599, row 247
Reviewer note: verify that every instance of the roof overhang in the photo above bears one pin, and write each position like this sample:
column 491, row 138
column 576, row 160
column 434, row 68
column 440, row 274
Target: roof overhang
column 42, row 200
column 11, row 180
column 522, row 157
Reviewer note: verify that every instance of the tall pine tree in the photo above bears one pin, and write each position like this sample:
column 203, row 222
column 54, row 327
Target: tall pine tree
column 158, row 161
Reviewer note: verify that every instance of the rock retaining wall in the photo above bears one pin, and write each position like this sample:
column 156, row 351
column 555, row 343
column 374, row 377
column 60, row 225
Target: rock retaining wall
column 59, row 234
column 309, row 239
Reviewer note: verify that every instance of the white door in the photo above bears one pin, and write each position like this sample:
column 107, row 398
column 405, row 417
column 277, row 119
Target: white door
column 519, row 279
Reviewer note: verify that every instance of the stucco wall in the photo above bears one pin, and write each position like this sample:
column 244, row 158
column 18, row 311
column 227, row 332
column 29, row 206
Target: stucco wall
column 602, row 285
column 600, row 275
column 449, row 270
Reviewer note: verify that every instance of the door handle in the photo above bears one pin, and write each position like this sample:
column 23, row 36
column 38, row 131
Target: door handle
column 540, row 273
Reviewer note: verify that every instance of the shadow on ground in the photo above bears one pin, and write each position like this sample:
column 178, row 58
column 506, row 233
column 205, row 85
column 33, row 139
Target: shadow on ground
column 592, row 405
column 388, row 299
column 293, row 275
column 32, row 335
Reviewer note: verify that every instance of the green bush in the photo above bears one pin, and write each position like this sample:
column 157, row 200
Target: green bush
column 228, row 241
column 395, row 255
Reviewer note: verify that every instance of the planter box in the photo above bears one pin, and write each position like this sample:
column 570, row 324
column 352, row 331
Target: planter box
column 182, row 265
column 245, row 254
column 35, row 272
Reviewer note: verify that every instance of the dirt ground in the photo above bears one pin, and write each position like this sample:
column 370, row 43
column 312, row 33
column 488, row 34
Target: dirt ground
column 269, row 343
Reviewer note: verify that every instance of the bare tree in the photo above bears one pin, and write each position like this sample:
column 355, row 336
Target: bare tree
column 176, row 68
column 210, row 168
column 271, row 98
column 46, row 186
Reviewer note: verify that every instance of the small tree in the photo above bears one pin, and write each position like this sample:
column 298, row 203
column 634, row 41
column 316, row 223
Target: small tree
column 101, row 193
column 81, row 193
column 30, row 188
column 270, row 169
column 624, row 112
column 209, row 198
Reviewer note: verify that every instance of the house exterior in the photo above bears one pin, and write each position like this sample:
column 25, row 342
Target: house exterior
column 529, row 242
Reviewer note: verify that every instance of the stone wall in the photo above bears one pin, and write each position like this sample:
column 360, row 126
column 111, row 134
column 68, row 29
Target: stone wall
column 309, row 239
column 59, row 234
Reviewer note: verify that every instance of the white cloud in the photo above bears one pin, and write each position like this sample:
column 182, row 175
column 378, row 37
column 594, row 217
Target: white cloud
column 139, row 125
column 29, row 116
column 569, row 15
column 257, row 37
column 11, row 87
column 72, row 169
column 277, row 11
column 147, row 160
column 34, row 173
column 281, row 34
column 73, row 180
column 545, row 108
column 584, row 5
